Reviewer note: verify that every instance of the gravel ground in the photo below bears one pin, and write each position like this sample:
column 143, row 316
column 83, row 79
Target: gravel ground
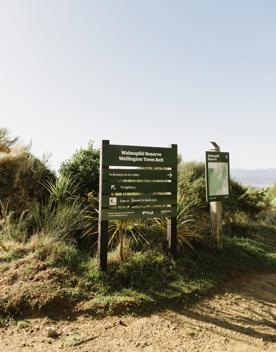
column 243, row 318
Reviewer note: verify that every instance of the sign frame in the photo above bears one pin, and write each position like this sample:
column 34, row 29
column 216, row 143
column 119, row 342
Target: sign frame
column 124, row 167
column 217, row 157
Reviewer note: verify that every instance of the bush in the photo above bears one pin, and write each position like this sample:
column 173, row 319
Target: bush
column 65, row 215
column 83, row 167
column 247, row 200
column 21, row 178
column 191, row 184
column 243, row 201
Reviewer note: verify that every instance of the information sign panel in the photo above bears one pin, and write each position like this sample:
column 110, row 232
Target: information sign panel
column 217, row 176
column 147, row 178
column 137, row 182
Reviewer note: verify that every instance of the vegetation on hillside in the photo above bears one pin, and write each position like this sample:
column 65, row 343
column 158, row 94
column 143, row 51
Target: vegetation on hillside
column 48, row 237
column 21, row 175
column 83, row 168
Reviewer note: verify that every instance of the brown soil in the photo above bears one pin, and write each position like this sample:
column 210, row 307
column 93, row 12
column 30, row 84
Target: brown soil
column 28, row 287
column 243, row 318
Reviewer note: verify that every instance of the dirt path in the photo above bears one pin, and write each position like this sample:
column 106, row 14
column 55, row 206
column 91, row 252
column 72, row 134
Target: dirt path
column 242, row 319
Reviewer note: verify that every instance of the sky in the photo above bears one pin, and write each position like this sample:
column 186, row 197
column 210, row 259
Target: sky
column 141, row 72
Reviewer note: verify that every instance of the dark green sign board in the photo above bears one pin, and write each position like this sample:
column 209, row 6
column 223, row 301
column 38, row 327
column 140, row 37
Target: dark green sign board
column 134, row 178
column 137, row 182
column 217, row 176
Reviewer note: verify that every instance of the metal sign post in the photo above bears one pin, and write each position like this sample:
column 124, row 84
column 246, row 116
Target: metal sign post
column 137, row 182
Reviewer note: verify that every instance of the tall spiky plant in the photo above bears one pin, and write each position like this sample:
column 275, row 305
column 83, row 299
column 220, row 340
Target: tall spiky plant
column 11, row 227
column 186, row 222
column 63, row 189
column 64, row 215
column 118, row 229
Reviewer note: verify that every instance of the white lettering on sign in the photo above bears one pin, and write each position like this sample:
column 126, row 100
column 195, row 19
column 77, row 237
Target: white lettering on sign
column 213, row 157
column 144, row 159
column 138, row 200
column 139, row 156
column 153, row 154
column 121, row 215
column 116, row 174
column 147, row 212
column 129, row 158
column 128, row 187
column 140, row 153
column 166, row 211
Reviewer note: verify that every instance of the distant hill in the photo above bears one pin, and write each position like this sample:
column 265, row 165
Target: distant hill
column 256, row 178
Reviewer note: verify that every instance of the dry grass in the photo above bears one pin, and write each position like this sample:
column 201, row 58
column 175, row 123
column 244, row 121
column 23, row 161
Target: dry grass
column 14, row 154
column 41, row 246
column 31, row 279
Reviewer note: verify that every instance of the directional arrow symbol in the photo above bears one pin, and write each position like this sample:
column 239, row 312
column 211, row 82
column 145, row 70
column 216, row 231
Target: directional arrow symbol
column 113, row 188
column 170, row 174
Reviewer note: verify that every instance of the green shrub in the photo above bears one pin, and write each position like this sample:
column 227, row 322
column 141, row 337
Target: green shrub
column 248, row 200
column 142, row 270
column 191, row 185
column 83, row 167
column 255, row 231
column 242, row 202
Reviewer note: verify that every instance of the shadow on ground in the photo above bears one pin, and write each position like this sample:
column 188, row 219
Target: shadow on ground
column 248, row 307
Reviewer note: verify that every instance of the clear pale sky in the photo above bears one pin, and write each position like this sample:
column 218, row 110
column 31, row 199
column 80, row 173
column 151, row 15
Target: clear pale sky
column 142, row 72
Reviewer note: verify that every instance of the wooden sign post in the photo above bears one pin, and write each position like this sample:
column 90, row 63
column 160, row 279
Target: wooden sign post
column 216, row 219
column 172, row 221
column 103, row 223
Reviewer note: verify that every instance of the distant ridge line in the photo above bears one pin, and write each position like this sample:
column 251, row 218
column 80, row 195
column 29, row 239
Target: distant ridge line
column 260, row 178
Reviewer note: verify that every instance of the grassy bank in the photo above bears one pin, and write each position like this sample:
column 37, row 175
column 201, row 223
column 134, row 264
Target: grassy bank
column 47, row 277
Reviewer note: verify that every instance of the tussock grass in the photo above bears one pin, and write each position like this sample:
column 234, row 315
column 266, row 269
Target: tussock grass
column 14, row 155
column 42, row 247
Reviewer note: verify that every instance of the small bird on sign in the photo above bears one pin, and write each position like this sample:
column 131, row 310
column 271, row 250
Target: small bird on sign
column 214, row 144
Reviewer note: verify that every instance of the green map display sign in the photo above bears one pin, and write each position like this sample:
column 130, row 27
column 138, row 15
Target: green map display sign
column 217, row 175
column 138, row 182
